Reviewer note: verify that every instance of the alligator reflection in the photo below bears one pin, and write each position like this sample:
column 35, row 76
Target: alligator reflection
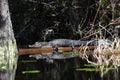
column 64, row 69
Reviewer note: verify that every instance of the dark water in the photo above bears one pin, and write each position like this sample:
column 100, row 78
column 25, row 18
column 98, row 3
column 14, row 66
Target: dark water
column 31, row 69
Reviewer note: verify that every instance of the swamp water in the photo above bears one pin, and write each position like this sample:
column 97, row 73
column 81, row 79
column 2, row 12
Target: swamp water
column 61, row 69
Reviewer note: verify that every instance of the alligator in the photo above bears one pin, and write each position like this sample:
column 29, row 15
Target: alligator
column 54, row 43
column 72, row 43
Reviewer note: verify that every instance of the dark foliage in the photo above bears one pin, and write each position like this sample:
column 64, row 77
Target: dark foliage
column 47, row 20
column 44, row 20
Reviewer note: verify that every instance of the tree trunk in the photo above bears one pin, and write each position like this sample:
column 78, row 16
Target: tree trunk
column 8, row 48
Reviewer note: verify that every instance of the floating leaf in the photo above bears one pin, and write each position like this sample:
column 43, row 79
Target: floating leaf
column 94, row 64
column 86, row 69
column 93, row 69
column 31, row 72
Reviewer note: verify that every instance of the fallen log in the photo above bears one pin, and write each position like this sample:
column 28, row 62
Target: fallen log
column 26, row 51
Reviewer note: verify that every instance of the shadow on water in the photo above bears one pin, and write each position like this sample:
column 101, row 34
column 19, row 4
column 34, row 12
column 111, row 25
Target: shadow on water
column 64, row 69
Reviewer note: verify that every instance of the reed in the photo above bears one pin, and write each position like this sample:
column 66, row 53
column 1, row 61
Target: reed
column 107, row 55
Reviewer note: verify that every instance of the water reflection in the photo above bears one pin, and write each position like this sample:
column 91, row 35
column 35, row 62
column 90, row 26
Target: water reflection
column 64, row 69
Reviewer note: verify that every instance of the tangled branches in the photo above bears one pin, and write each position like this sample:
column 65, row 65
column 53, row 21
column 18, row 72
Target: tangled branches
column 105, row 55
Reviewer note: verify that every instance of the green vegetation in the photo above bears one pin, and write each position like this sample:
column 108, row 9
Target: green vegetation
column 31, row 72
column 86, row 69
column 94, row 65
column 93, row 69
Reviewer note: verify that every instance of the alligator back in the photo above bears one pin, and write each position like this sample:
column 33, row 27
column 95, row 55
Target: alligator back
column 61, row 42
